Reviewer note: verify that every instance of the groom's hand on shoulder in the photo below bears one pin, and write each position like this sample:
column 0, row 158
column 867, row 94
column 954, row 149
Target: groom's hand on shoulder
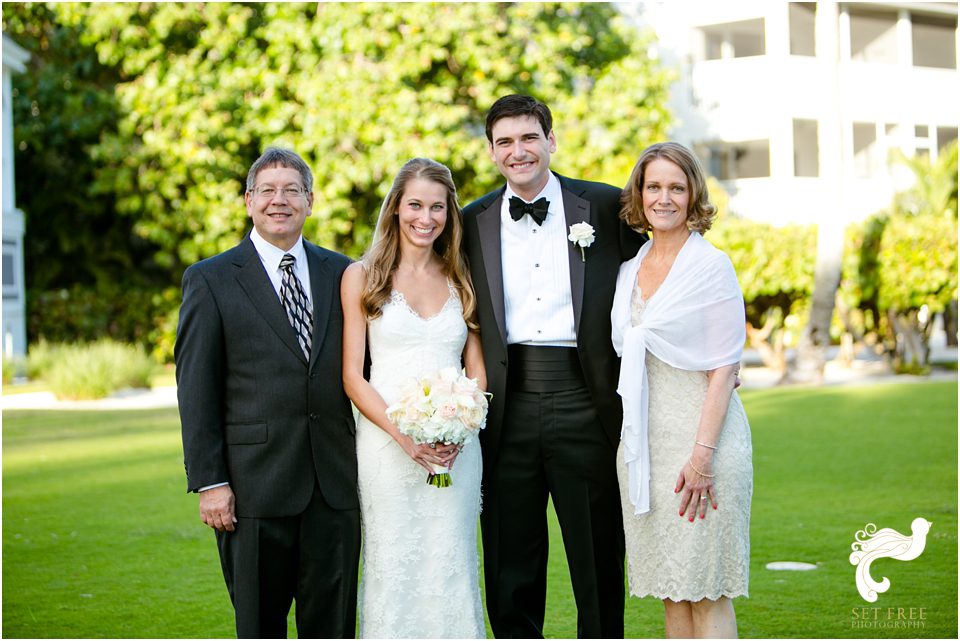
column 217, row 508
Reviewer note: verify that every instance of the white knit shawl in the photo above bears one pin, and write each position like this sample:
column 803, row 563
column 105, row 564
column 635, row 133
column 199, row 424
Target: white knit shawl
column 694, row 321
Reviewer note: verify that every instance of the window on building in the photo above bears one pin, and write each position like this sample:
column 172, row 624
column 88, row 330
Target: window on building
column 9, row 271
column 873, row 36
column 8, row 276
column 892, row 132
column 945, row 136
column 866, row 151
column 806, row 148
column 934, row 41
column 734, row 40
column 734, row 160
column 802, row 28
column 922, row 143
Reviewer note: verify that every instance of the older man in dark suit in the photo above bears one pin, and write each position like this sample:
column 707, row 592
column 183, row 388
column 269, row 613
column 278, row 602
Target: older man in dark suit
column 268, row 433
column 544, row 307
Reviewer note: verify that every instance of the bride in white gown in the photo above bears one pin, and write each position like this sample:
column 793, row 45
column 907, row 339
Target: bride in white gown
column 410, row 299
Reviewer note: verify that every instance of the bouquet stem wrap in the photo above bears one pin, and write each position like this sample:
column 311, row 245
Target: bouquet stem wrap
column 440, row 476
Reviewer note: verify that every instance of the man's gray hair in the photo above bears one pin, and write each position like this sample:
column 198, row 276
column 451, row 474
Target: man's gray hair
column 278, row 157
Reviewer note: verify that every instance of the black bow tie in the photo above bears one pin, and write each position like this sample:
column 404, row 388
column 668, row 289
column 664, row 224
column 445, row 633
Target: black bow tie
column 537, row 210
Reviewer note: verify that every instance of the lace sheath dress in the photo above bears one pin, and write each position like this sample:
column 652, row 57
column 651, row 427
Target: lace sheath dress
column 420, row 576
column 669, row 557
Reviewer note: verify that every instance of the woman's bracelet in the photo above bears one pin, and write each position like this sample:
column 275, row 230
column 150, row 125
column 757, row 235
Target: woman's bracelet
column 712, row 447
column 694, row 468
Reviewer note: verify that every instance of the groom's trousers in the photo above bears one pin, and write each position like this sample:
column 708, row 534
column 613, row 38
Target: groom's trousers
column 552, row 443
column 310, row 558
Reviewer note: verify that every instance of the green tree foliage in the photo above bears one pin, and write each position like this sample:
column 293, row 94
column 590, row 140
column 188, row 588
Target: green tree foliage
column 918, row 263
column 357, row 89
column 934, row 191
column 903, row 265
column 88, row 272
column 187, row 95
column 62, row 106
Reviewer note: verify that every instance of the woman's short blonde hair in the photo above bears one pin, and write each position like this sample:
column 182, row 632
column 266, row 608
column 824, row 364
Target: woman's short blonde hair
column 700, row 212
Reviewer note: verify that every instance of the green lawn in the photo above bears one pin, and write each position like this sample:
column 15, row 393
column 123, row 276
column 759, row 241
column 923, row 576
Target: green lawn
column 100, row 539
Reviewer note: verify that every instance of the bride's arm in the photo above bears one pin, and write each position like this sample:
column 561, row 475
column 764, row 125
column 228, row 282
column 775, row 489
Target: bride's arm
column 360, row 391
column 473, row 360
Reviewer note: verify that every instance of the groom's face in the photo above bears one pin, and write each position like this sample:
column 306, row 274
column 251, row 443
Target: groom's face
column 522, row 153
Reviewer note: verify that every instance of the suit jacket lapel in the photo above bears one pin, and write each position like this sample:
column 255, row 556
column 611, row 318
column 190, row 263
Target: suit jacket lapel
column 488, row 222
column 575, row 210
column 254, row 281
column 321, row 287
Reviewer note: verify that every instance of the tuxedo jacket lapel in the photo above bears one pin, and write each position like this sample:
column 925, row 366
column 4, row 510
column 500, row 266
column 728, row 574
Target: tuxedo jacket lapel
column 255, row 283
column 321, row 287
column 575, row 210
column 488, row 222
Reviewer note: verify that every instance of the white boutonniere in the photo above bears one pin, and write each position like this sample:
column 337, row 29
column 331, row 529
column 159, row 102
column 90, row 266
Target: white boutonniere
column 581, row 235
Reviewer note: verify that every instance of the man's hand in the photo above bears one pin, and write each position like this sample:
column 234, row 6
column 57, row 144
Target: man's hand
column 217, row 508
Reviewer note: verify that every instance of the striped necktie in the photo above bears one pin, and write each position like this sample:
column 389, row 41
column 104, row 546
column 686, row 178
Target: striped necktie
column 295, row 302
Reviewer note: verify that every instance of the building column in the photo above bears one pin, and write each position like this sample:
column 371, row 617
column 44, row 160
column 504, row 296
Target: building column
column 777, row 41
column 830, row 128
column 904, row 39
column 14, row 337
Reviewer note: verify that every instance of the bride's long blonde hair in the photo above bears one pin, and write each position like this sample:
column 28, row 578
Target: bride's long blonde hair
column 381, row 260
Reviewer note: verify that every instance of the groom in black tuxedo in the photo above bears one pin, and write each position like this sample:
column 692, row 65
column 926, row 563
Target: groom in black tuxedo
column 268, row 432
column 555, row 418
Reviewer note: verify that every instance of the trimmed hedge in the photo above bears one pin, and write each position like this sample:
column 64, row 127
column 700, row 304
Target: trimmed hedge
column 775, row 269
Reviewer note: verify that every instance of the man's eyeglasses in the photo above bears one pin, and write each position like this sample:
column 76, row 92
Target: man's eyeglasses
column 268, row 191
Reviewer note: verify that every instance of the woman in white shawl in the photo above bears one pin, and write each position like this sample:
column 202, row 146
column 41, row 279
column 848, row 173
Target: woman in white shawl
column 684, row 464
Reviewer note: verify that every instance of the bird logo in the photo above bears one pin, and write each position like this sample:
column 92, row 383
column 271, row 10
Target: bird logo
column 871, row 544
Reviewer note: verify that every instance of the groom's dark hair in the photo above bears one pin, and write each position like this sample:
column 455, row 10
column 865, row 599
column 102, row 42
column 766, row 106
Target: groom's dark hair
column 516, row 105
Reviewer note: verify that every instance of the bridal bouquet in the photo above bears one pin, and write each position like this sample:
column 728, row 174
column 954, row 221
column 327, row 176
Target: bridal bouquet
column 445, row 407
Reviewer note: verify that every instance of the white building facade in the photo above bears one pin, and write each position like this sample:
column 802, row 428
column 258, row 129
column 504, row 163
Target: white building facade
column 796, row 106
column 14, row 295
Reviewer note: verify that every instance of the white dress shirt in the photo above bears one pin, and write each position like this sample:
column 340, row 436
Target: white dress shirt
column 536, row 273
column 270, row 256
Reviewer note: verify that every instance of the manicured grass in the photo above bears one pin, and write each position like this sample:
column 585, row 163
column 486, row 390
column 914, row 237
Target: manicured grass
column 100, row 539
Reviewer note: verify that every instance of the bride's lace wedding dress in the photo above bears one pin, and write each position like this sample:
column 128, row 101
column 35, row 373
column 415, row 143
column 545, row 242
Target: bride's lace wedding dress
column 420, row 567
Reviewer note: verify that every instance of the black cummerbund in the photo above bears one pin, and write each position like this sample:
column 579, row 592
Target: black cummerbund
column 532, row 368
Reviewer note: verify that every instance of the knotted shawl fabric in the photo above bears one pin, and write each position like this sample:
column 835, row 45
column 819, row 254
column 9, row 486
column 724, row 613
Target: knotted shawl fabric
column 694, row 321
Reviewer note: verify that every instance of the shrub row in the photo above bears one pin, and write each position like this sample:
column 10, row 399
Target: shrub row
column 899, row 271
column 895, row 265
column 89, row 371
column 146, row 317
